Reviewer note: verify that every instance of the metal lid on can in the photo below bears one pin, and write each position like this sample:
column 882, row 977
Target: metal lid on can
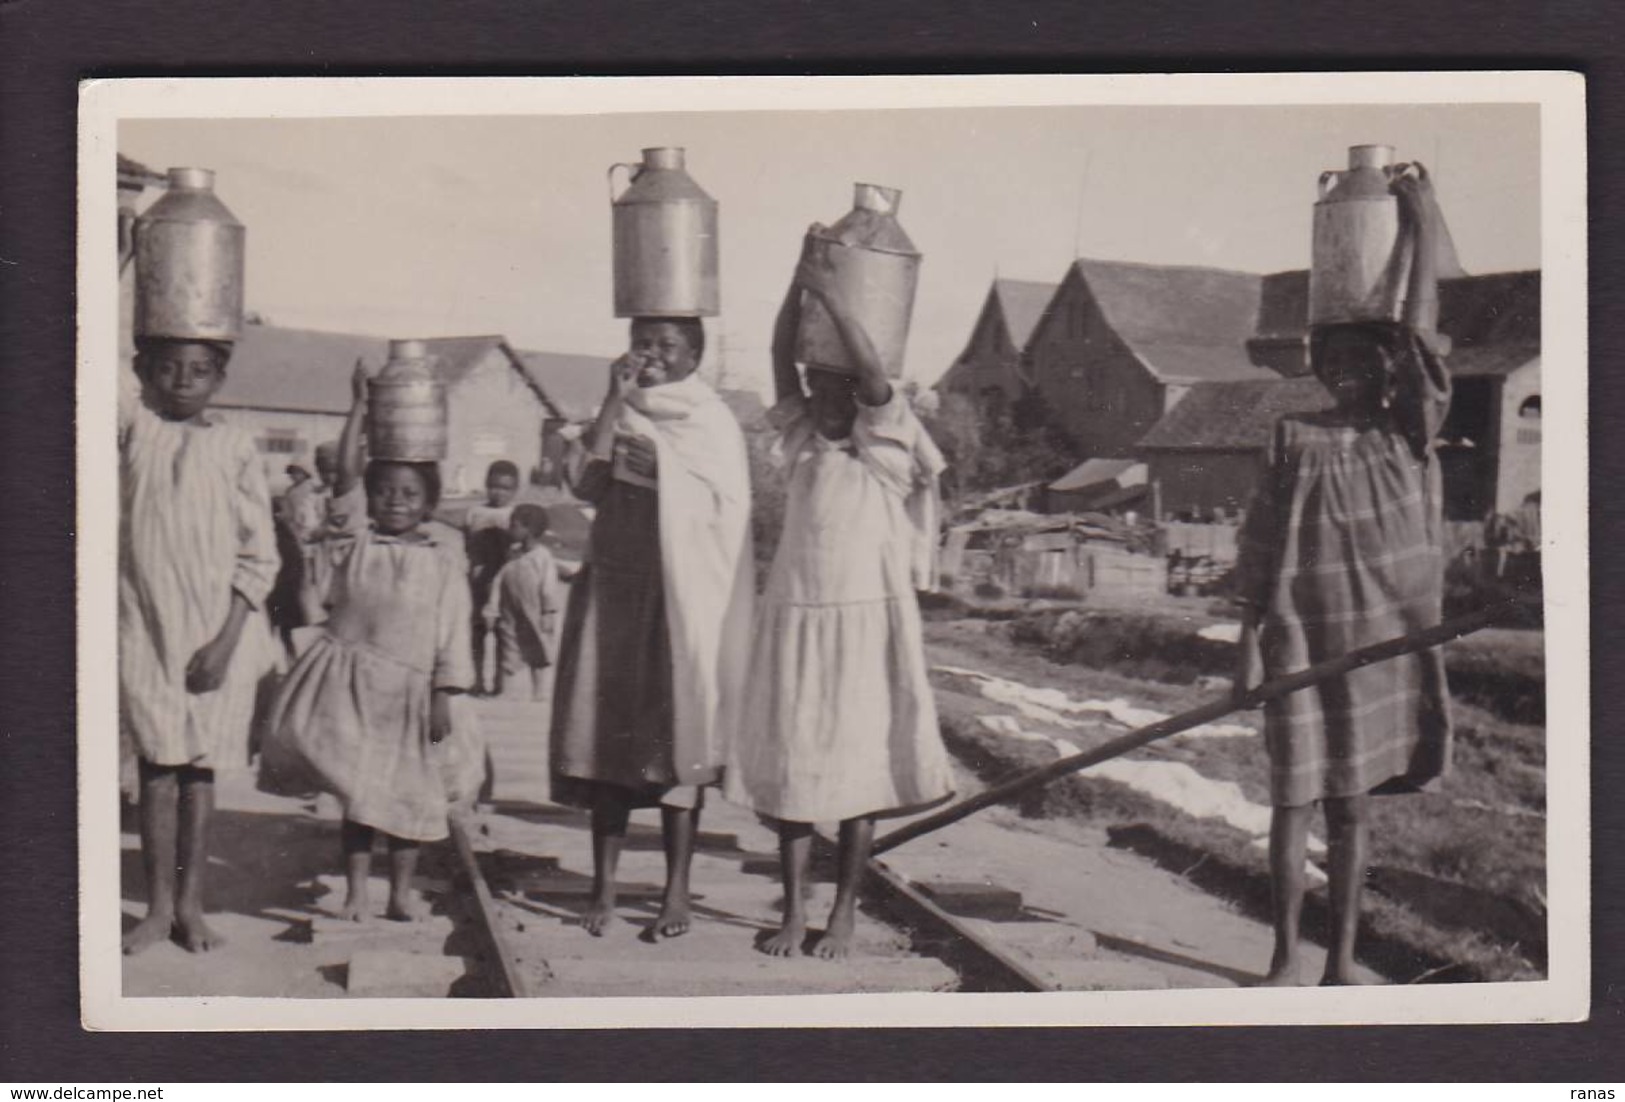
column 663, row 156
column 876, row 197
column 411, row 349
column 192, row 179
column 1371, row 156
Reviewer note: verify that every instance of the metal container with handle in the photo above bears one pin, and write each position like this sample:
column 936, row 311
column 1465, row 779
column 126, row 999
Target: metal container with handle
column 1361, row 262
column 189, row 253
column 877, row 269
column 665, row 240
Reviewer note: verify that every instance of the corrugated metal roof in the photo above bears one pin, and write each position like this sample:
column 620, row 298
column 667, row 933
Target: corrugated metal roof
column 1233, row 416
column 1092, row 471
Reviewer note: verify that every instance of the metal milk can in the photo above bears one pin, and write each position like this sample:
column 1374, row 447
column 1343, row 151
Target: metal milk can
column 877, row 269
column 1360, row 266
column 189, row 263
column 665, row 240
column 406, row 407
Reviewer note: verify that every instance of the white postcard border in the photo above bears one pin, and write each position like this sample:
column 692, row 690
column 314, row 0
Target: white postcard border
column 1564, row 996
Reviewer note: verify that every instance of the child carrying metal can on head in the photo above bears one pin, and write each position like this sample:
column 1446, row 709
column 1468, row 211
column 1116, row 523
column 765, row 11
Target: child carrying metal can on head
column 367, row 713
column 1340, row 550
column 195, row 649
column 657, row 629
column 838, row 723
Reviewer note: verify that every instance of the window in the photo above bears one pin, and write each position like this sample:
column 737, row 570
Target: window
column 281, row 442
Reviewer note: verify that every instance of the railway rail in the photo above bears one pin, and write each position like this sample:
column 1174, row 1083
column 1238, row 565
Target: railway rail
column 969, row 932
column 965, row 898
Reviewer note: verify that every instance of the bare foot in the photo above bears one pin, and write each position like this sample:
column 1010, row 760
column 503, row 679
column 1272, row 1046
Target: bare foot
column 156, row 927
column 354, row 909
column 1281, row 975
column 599, row 917
column 787, row 942
column 406, row 908
column 674, row 918
column 195, row 935
column 836, row 944
column 1342, row 979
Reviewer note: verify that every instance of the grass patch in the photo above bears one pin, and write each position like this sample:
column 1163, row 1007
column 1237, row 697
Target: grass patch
column 1457, row 876
column 1413, row 927
column 1502, row 672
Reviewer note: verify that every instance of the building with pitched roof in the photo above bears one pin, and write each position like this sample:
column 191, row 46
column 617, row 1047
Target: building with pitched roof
column 1207, row 453
column 1121, row 344
column 291, row 389
column 993, row 369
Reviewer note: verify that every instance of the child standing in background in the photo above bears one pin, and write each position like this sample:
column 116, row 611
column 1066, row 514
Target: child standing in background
column 1340, row 550
column 838, row 722
column 485, row 535
column 367, row 711
column 522, row 612
column 198, row 559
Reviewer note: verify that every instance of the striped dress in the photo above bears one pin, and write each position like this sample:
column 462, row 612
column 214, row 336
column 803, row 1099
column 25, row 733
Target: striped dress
column 352, row 717
column 1340, row 550
column 194, row 527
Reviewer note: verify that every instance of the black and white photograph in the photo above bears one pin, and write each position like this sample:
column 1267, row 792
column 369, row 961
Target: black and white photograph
column 833, row 551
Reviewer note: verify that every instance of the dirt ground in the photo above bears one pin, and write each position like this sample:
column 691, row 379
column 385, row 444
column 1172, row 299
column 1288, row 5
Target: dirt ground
column 1092, row 917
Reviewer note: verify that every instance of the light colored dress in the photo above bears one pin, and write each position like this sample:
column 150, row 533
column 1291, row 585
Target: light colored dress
column 195, row 527
column 839, row 720
column 352, row 717
column 1341, row 550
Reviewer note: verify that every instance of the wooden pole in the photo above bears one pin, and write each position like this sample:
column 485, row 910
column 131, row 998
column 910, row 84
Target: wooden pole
column 1195, row 717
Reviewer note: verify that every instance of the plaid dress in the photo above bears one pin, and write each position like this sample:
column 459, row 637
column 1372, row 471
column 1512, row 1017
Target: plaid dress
column 1340, row 550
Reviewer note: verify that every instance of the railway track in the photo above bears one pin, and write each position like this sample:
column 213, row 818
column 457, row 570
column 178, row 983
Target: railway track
column 522, row 873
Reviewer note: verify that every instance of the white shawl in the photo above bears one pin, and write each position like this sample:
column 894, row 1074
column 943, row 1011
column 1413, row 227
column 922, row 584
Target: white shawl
column 706, row 554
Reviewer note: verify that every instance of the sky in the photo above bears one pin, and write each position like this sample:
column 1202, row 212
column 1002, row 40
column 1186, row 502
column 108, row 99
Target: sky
column 409, row 227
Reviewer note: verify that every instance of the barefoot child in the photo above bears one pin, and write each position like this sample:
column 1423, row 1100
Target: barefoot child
column 365, row 711
column 198, row 561
column 522, row 613
column 485, row 535
column 838, row 722
column 657, row 629
column 1341, row 550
